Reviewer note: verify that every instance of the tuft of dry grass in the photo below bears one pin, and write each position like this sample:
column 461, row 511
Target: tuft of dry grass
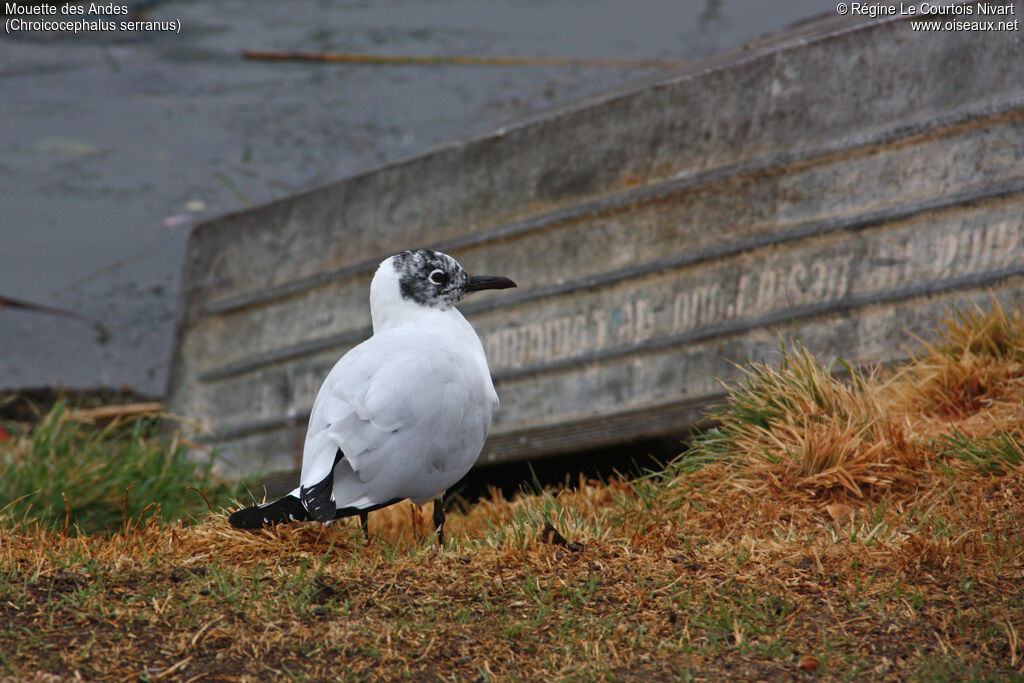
column 803, row 433
column 973, row 377
column 978, row 362
column 808, row 434
column 827, row 530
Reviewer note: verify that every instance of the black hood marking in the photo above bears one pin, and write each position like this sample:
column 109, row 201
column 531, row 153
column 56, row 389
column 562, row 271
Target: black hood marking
column 414, row 268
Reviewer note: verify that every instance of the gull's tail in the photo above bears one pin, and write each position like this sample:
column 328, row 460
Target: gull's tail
column 287, row 509
column 290, row 509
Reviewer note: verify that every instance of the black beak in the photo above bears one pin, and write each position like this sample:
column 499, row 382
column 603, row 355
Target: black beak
column 478, row 282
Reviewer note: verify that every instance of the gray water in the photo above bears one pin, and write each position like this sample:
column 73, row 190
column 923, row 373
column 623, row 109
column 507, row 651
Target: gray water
column 113, row 145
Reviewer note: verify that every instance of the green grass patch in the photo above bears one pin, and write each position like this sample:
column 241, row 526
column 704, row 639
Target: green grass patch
column 996, row 453
column 75, row 475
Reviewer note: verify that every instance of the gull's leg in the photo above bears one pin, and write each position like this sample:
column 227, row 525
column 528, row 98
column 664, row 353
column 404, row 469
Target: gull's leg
column 364, row 522
column 439, row 520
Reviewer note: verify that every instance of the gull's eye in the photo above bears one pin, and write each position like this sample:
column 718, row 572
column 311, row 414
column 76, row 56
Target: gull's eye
column 438, row 277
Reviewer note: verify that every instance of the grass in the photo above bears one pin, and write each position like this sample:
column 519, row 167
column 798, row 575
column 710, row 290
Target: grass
column 72, row 474
column 864, row 526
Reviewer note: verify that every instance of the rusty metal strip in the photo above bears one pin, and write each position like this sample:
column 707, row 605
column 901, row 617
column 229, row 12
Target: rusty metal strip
column 925, row 288
column 625, row 199
column 795, row 232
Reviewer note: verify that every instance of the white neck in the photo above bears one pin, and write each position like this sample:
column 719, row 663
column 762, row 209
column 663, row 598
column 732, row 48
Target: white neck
column 389, row 310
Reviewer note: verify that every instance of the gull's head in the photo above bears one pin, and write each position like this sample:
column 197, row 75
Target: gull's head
column 421, row 277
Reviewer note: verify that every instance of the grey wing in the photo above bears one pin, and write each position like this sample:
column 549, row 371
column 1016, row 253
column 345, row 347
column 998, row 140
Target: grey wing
column 407, row 417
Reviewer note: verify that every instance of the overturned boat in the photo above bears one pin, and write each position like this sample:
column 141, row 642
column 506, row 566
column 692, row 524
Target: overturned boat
column 843, row 181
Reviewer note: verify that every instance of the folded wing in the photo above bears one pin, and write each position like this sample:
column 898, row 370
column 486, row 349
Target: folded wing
column 409, row 416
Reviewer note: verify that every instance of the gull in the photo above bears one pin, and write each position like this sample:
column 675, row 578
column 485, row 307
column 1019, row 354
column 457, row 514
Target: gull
column 405, row 413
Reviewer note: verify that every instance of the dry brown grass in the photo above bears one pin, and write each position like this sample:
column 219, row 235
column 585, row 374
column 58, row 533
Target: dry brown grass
column 972, row 379
column 805, row 434
column 829, row 529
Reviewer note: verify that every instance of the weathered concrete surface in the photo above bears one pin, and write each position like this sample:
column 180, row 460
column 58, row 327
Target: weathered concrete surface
column 849, row 180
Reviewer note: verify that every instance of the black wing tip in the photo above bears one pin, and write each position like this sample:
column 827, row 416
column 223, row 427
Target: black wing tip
column 316, row 499
column 322, row 513
column 319, row 506
column 291, row 509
